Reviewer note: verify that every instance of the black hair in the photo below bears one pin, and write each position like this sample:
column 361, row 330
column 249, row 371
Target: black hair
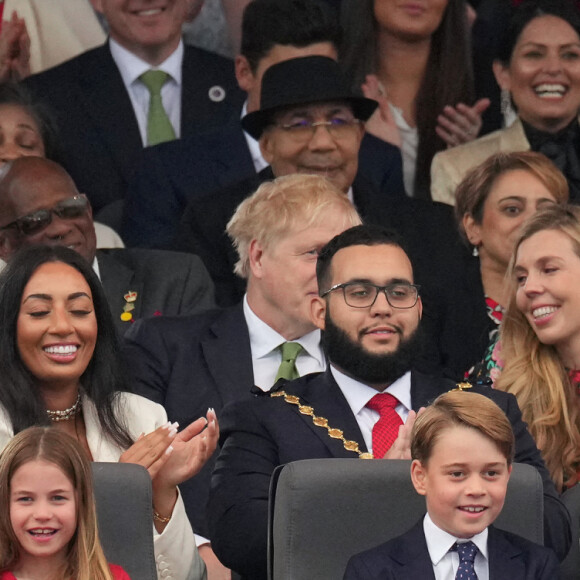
column 522, row 15
column 448, row 76
column 289, row 22
column 363, row 235
column 16, row 94
column 102, row 379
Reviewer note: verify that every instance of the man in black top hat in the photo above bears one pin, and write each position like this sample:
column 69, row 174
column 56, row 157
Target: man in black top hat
column 308, row 122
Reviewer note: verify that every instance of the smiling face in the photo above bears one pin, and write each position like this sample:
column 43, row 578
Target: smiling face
column 515, row 196
column 464, row 481
column 150, row 29
column 543, row 75
column 380, row 328
column 409, row 19
column 19, row 134
column 56, row 329
column 335, row 158
column 43, row 513
column 547, row 270
column 34, row 184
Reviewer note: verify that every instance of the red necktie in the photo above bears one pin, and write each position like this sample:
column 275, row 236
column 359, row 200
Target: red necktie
column 386, row 429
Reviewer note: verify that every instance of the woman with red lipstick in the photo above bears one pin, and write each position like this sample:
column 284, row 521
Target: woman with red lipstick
column 540, row 337
column 60, row 367
column 413, row 57
column 538, row 68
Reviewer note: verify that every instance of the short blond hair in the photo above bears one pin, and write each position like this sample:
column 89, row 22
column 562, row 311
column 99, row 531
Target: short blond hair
column 280, row 205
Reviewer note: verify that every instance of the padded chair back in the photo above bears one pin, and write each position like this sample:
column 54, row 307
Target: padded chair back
column 323, row 511
column 571, row 565
column 124, row 513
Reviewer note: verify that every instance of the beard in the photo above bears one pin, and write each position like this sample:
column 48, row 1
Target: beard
column 367, row 367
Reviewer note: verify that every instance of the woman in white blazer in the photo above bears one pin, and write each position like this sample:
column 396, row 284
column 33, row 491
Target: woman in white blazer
column 60, row 367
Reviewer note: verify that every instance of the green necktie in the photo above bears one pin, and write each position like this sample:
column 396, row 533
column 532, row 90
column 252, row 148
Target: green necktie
column 287, row 369
column 159, row 128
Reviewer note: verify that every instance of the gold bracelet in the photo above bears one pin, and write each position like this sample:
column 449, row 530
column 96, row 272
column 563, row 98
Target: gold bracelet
column 158, row 517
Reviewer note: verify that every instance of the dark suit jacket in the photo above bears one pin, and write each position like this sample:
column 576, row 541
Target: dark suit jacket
column 261, row 434
column 172, row 175
column 187, row 364
column 202, row 229
column 167, row 283
column 510, row 557
column 97, row 124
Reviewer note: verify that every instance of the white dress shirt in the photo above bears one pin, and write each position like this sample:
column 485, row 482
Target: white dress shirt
column 357, row 396
column 265, row 345
column 445, row 563
column 132, row 67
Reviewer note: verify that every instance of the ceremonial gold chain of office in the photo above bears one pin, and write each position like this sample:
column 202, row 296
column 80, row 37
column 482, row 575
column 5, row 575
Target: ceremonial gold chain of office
column 349, row 445
column 322, row 422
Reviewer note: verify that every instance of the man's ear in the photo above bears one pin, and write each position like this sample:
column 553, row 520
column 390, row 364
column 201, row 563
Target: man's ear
column 267, row 146
column 419, row 477
column 318, row 312
column 255, row 254
column 7, row 246
column 244, row 73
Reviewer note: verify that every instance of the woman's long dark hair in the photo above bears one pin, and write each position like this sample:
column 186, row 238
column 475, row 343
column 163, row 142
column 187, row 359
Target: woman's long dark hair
column 448, row 77
column 101, row 381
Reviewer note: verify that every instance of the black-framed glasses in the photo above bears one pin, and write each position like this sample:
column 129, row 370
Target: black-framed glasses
column 364, row 294
column 304, row 130
column 67, row 209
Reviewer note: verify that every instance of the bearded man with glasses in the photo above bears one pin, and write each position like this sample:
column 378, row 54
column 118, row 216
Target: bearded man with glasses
column 40, row 204
column 369, row 311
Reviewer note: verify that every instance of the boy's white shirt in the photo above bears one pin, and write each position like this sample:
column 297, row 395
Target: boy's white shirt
column 445, row 563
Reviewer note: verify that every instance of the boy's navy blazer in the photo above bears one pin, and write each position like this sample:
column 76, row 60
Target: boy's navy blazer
column 511, row 557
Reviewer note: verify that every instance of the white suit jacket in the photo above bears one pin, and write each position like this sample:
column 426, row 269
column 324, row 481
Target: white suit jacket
column 176, row 554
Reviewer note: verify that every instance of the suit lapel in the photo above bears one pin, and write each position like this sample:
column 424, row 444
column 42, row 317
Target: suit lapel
column 103, row 85
column 425, row 388
column 514, row 138
column 226, row 349
column 503, row 557
column 412, row 555
column 118, row 279
column 327, row 400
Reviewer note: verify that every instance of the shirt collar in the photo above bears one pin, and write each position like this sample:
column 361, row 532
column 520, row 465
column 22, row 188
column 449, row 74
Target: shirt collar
column 439, row 541
column 132, row 67
column 264, row 339
column 96, row 269
column 358, row 394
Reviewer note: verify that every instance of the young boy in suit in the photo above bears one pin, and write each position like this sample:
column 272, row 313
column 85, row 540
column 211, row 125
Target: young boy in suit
column 462, row 449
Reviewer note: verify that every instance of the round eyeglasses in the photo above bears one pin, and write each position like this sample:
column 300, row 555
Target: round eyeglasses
column 364, row 294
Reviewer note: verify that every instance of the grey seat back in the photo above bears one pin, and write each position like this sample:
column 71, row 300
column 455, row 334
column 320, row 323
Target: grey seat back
column 323, row 511
column 124, row 513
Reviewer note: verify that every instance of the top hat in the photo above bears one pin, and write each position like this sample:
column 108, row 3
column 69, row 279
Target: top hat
column 299, row 81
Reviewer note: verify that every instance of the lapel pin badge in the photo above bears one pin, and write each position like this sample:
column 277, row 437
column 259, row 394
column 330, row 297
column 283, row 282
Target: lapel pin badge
column 217, row 94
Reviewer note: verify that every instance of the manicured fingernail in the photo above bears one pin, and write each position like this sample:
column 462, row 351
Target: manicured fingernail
column 169, row 450
column 175, row 425
column 167, row 425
